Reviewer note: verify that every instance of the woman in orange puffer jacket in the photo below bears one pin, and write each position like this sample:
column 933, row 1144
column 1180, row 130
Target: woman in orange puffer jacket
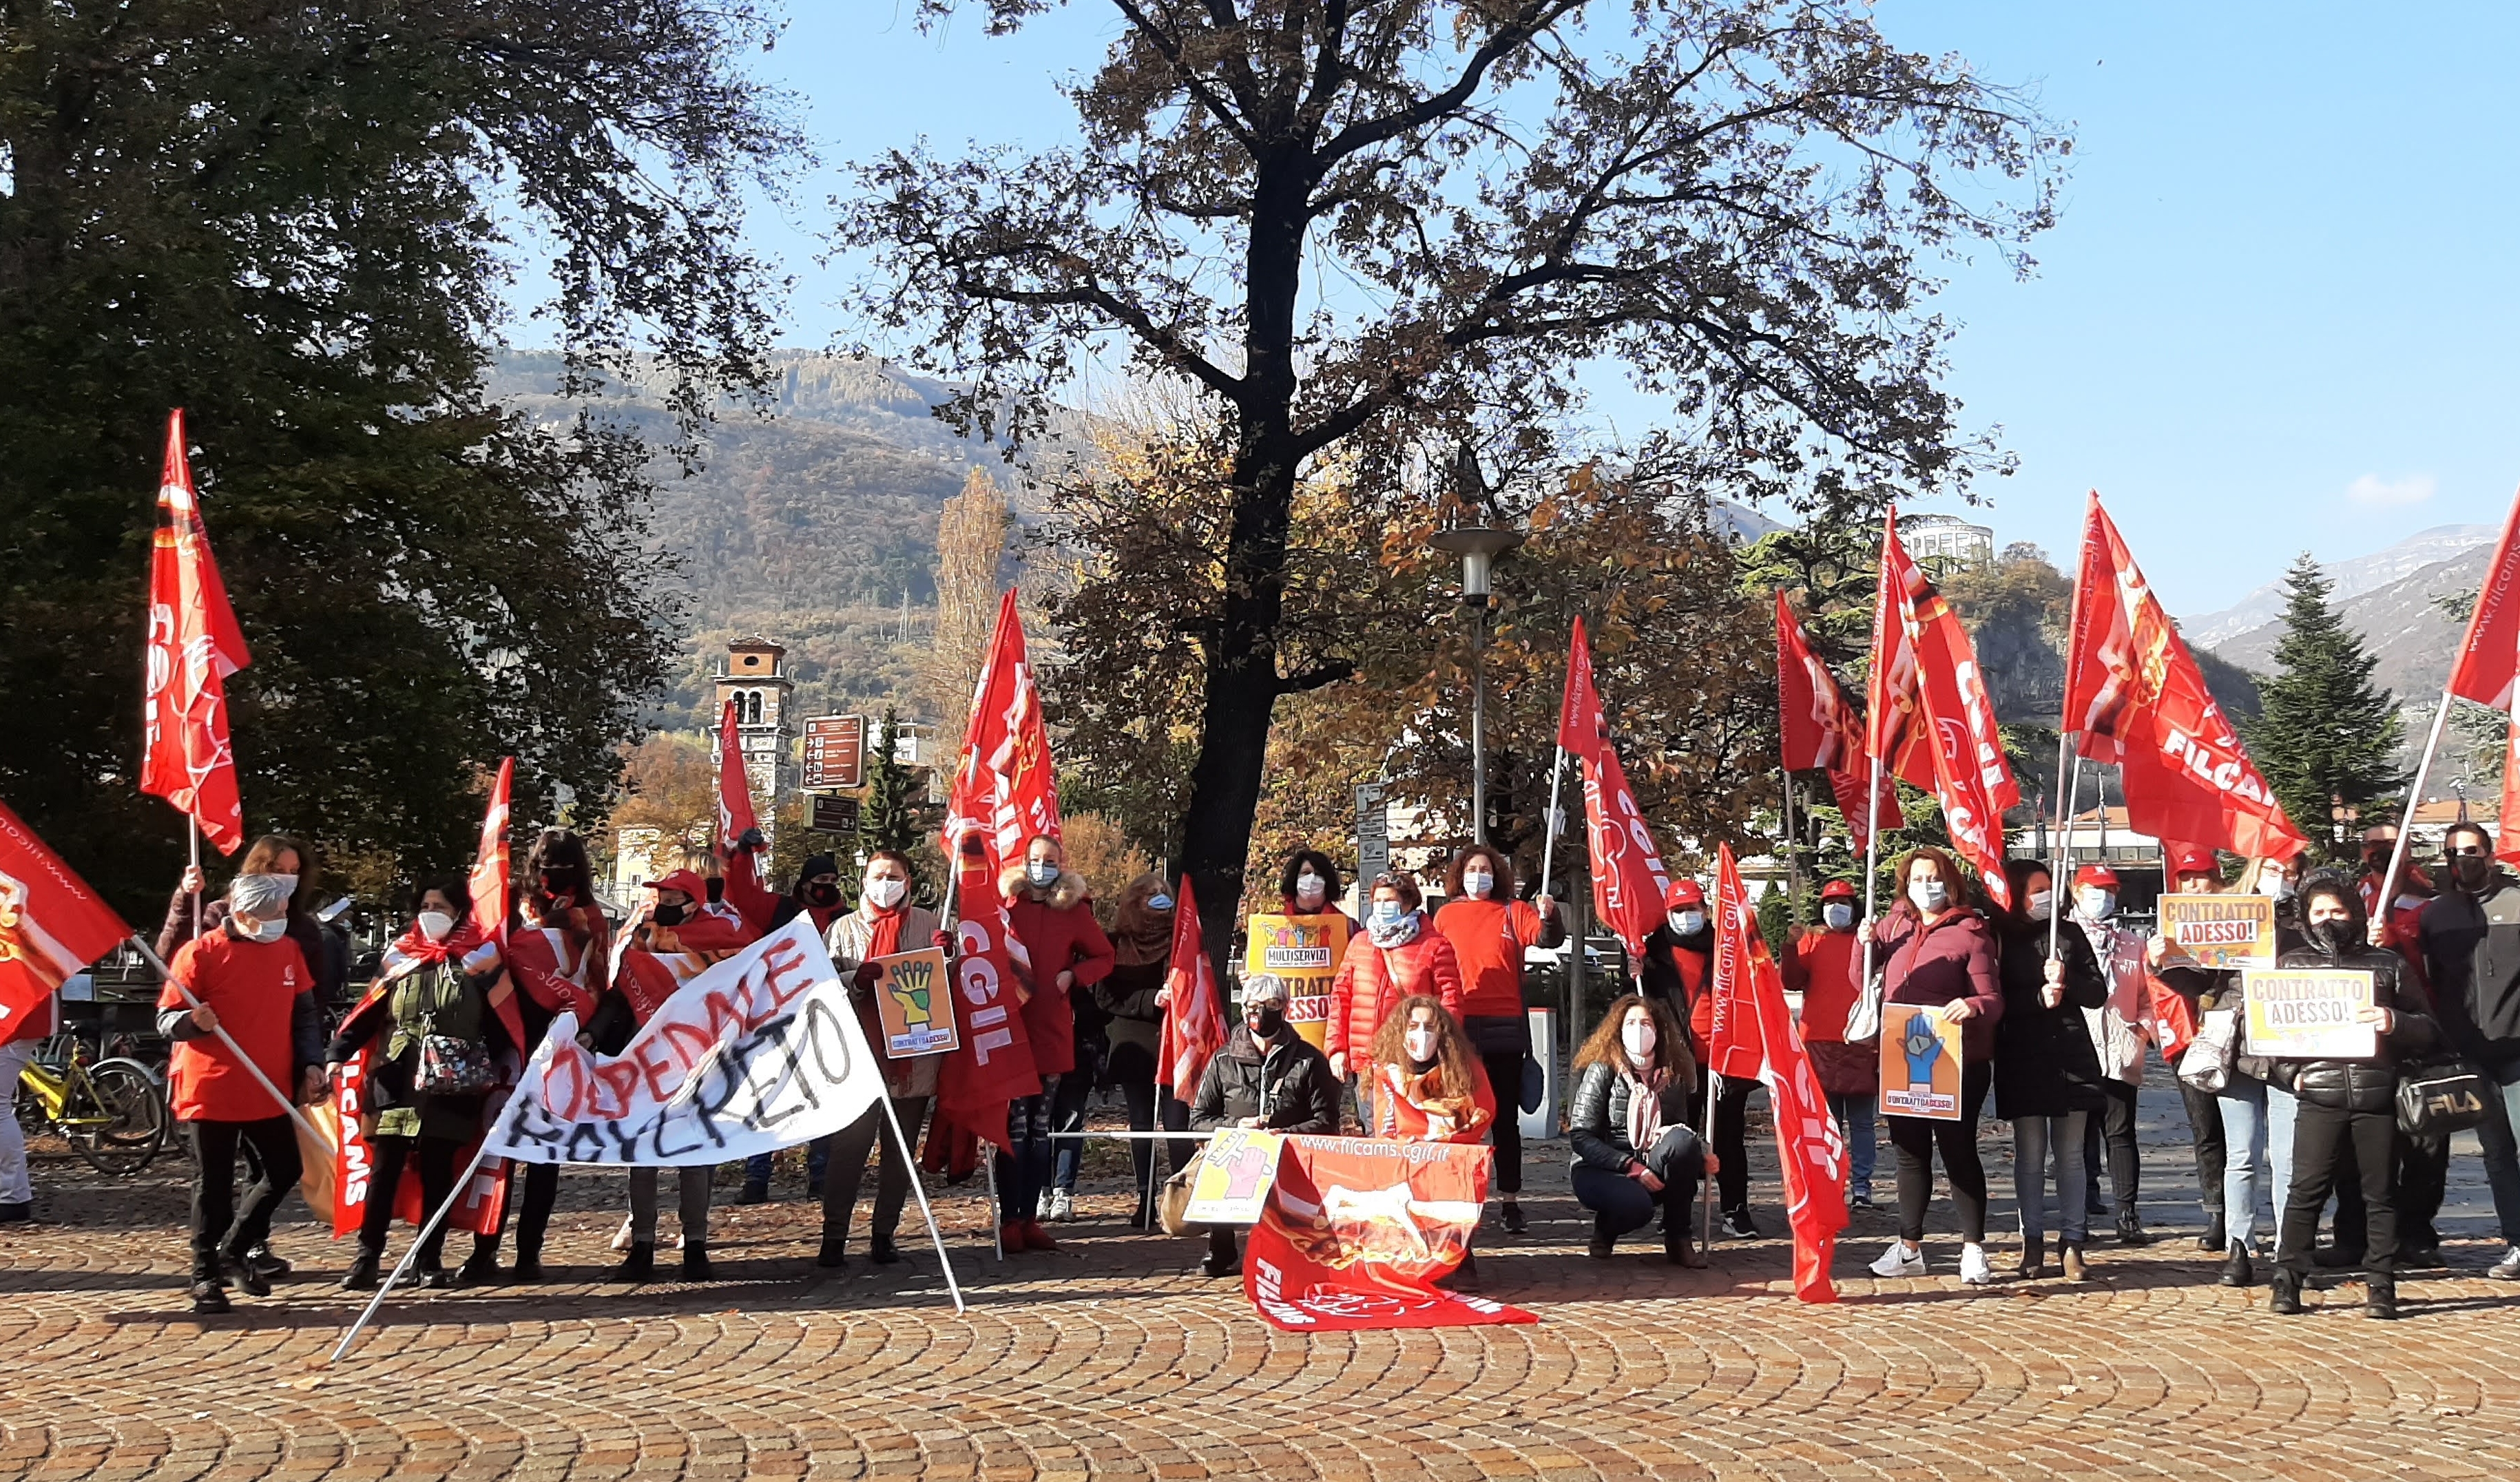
column 1399, row 955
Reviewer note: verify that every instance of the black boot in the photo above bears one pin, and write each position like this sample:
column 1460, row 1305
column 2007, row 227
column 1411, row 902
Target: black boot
column 210, row 1298
column 2285, row 1299
column 2237, row 1271
column 241, row 1270
column 640, row 1265
column 2381, row 1301
column 834, row 1253
column 2131, row 1231
column 881, row 1252
column 529, row 1265
column 2213, row 1237
column 362, row 1275
column 1515, row 1223
column 2034, row 1257
column 695, row 1262
column 1604, row 1239
column 479, row 1268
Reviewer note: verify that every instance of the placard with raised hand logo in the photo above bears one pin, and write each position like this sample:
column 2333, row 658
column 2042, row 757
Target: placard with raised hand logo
column 1920, row 1063
column 916, row 1010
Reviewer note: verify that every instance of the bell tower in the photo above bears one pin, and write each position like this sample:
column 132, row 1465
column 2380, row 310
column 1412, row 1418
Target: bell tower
column 756, row 678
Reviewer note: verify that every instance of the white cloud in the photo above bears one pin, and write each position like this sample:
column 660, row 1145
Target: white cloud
column 2373, row 492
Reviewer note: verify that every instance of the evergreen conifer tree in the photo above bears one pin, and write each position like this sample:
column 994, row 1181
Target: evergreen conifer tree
column 2327, row 731
column 886, row 824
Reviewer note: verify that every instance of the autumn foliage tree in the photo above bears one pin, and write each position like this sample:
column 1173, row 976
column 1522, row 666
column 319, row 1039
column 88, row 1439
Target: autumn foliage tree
column 1361, row 230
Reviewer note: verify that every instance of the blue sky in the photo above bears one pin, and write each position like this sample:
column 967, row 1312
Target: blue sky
column 2278, row 313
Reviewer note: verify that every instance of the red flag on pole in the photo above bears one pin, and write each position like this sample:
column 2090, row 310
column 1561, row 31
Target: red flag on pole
column 1193, row 1011
column 2506, row 825
column 745, row 891
column 193, row 645
column 1755, row 1036
column 1892, row 702
column 1820, row 729
column 1005, row 789
column 1629, row 880
column 1948, row 728
column 51, row 923
column 2137, row 701
column 2489, row 654
column 489, row 888
column 994, row 1064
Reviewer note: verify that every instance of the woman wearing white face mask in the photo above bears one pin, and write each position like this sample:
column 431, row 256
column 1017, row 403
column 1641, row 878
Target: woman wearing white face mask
column 1429, row 1087
column 1678, row 959
column 1634, row 1153
column 423, row 1107
column 1310, row 884
column 1489, row 930
column 1398, row 956
column 2047, row 1073
column 884, row 924
column 1051, row 909
column 1826, row 965
column 1133, row 998
column 2119, row 1034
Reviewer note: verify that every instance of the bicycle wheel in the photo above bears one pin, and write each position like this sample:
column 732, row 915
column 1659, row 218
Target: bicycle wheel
column 135, row 1123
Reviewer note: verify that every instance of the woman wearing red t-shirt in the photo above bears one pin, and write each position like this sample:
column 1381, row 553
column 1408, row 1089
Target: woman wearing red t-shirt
column 1489, row 930
column 1826, row 965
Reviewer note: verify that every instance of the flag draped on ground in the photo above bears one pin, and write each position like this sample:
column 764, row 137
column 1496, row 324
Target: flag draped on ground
column 2135, row 699
column 51, row 923
column 193, row 645
column 1629, row 880
column 1356, row 1234
column 1818, row 728
column 1005, row 787
column 1755, row 1037
column 1193, row 1028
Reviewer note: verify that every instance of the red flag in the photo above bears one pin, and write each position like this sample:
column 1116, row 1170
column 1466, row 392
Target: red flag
column 1193, row 1011
column 2506, row 825
column 2136, row 699
column 1892, row 732
column 2489, row 654
column 1762, row 1041
column 1950, row 737
column 1005, row 789
column 994, row 1064
column 51, row 923
column 1820, row 728
column 488, row 889
column 1629, row 880
column 745, row 891
column 193, row 645
column 1355, row 1233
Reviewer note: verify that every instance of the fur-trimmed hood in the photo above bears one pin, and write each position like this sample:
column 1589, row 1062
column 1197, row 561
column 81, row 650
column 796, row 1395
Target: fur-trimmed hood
column 1071, row 891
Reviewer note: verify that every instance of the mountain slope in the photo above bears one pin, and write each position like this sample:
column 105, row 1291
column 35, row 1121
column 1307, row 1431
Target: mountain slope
column 2412, row 639
column 2353, row 578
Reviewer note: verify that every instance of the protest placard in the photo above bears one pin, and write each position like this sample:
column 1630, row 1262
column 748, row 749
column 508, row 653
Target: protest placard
column 910, row 998
column 2308, row 1015
column 2222, row 931
column 1920, row 1063
column 1234, row 1174
column 1302, row 952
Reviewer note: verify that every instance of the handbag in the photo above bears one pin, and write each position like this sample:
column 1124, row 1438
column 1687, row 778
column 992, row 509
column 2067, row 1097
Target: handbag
column 451, row 1066
column 2436, row 1101
column 1864, row 1020
column 1172, row 1204
column 2206, row 1063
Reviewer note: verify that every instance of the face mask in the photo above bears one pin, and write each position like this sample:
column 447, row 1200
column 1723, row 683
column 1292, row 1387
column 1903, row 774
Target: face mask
column 822, row 893
column 288, row 884
column 1477, row 883
column 2332, row 935
column 1159, row 902
column 669, row 915
column 2098, row 905
column 2471, row 869
column 2043, row 904
column 1929, row 895
column 1688, row 923
column 1387, row 914
column 2279, row 888
column 1268, row 1023
column 1637, row 1039
column 2376, row 856
column 886, row 893
column 1310, row 889
column 1041, row 875
column 1838, row 917
column 268, row 932
column 1422, row 1046
column 434, row 925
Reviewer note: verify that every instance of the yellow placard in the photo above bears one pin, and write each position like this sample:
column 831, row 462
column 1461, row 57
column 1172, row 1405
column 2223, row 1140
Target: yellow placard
column 1302, row 952
column 1920, row 1063
column 913, row 1002
column 1234, row 1177
column 2218, row 931
column 2308, row 1015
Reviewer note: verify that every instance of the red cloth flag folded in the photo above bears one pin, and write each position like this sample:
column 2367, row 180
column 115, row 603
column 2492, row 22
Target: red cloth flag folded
column 2489, row 654
column 745, row 891
column 2138, row 702
column 994, row 1064
column 1629, row 880
column 1005, row 789
column 1193, row 1011
column 193, row 645
column 488, row 887
column 1950, row 737
column 1356, row 1234
column 1821, row 731
column 51, row 925
column 1758, row 1038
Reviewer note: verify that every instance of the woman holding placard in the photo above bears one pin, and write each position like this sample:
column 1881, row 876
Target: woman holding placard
column 884, row 923
column 2046, row 1070
column 2345, row 1100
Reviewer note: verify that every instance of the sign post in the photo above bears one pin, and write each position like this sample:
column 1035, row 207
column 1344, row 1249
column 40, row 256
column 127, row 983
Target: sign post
column 834, row 815
column 835, row 752
column 1373, row 838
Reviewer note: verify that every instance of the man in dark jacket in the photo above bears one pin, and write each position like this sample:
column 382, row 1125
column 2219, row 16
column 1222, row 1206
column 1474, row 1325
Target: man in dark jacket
column 2470, row 934
column 1266, row 1076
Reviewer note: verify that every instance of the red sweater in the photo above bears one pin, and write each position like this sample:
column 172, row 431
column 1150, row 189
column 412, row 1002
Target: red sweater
column 1826, row 967
column 1487, row 938
column 253, row 987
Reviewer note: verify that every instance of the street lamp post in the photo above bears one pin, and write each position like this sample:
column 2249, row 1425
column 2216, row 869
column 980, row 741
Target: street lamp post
column 1478, row 547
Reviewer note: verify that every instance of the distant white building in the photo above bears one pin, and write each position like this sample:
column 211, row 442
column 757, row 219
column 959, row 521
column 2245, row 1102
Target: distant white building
column 1947, row 538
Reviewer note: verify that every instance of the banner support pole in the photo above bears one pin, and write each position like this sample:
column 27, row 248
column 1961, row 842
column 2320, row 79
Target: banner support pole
column 437, row 1218
column 2407, row 820
column 1871, row 862
column 997, row 1231
column 193, row 829
column 919, row 1186
column 1706, row 1194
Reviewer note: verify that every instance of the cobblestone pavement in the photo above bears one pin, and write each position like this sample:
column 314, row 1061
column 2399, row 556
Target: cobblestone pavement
column 1113, row 1357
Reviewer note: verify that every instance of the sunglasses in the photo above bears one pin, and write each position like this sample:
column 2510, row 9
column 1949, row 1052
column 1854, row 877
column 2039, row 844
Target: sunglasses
column 2471, row 851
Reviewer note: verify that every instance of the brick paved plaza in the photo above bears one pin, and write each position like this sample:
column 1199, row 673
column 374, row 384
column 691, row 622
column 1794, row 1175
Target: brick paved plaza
column 1112, row 1356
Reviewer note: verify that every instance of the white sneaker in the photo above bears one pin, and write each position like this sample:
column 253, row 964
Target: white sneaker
column 1903, row 1260
column 1062, row 1205
column 1976, row 1269
column 2509, row 1268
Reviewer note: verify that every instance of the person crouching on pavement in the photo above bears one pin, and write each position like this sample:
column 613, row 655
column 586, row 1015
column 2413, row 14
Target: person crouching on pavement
column 1634, row 1154
column 1267, row 1076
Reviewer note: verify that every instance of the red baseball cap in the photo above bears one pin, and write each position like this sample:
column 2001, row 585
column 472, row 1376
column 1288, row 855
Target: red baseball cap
column 2191, row 860
column 1838, row 890
column 684, row 881
column 2096, row 875
column 1683, row 893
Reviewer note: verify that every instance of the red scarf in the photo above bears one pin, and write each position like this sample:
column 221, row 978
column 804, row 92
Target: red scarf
column 414, row 944
column 887, row 938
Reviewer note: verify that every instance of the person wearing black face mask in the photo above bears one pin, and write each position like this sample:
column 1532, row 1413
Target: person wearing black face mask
column 2470, row 938
column 817, row 896
column 1266, row 1076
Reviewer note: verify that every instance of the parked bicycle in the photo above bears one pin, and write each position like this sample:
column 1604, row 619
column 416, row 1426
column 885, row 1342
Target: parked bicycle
column 111, row 1112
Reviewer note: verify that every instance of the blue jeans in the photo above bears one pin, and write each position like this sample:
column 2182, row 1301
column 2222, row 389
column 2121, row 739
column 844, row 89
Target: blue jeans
column 2501, row 1155
column 1022, row 1177
column 1854, row 1113
column 1066, row 1115
column 2283, row 1108
column 2245, row 1119
column 2032, row 1137
column 818, row 1156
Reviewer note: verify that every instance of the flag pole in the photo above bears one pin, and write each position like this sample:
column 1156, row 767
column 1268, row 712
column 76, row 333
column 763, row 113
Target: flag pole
column 1549, row 846
column 1706, row 1191
column 192, row 827
column 285, row 1105
column 2058, row 890
column 437, row 1218
column 1871, row 862
column 919, row 1186
column 1793, row 860
column 2406, row 823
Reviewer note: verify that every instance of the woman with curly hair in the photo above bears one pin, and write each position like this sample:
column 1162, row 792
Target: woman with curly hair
column 1429, row 1087
column 1634, row 1153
